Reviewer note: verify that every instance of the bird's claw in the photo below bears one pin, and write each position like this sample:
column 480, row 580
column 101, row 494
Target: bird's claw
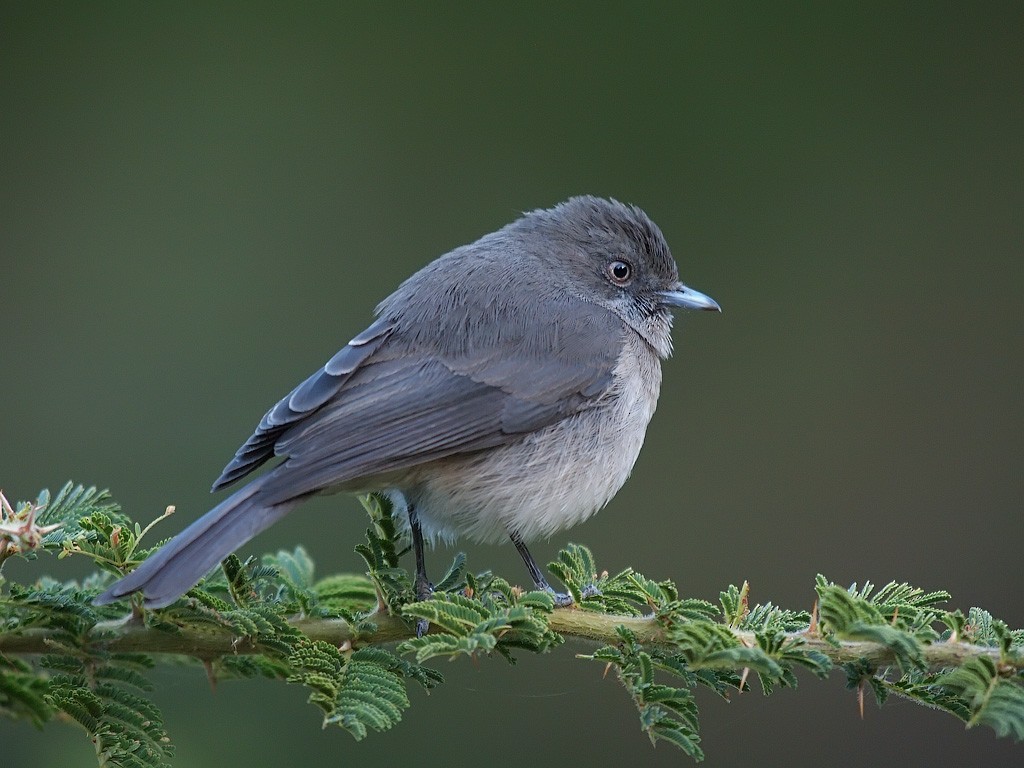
column 424, row 591
column 591, row 590
column 564, row 599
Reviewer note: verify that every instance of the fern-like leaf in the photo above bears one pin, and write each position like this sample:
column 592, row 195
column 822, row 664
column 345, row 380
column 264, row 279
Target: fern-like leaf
column 23, row 692
column 990, row 699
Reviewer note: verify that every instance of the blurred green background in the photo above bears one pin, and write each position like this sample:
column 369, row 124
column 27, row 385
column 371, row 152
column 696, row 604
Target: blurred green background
column 200, row 205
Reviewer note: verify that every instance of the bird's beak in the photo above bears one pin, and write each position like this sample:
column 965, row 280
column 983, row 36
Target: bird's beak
column 687, row 298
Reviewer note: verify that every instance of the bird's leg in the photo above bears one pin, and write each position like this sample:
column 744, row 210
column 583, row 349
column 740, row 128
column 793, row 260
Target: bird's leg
column 424, row 589
column 562, row 599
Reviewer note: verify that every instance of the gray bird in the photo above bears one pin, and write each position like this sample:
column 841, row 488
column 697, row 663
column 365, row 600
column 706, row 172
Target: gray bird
column 503, row 391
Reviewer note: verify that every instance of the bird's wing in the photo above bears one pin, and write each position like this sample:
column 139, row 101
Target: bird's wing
column 305, row 399
column 399, row 406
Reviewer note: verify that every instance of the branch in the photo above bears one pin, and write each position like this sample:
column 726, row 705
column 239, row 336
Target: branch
column 207, row 644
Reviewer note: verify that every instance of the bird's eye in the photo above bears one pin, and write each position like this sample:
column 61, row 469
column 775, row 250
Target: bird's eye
column 620, row 272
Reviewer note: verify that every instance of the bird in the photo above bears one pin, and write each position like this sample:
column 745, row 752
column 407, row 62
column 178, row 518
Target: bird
column 502, row 392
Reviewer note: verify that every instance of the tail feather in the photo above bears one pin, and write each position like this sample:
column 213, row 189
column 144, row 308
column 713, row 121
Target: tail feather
column 181, row 562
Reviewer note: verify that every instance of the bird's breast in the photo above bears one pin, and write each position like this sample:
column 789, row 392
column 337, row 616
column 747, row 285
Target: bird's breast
column 552, row 478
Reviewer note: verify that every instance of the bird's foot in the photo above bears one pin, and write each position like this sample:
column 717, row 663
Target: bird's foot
column 591, row 590
column 424, row 591
column 564, row 599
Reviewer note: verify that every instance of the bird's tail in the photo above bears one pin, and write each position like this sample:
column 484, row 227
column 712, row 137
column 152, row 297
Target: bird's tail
column 181, row 562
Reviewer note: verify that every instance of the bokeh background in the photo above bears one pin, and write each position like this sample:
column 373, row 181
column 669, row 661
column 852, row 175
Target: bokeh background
column 200, row 205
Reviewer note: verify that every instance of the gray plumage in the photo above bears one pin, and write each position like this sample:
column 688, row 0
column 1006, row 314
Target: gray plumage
column 504, row 389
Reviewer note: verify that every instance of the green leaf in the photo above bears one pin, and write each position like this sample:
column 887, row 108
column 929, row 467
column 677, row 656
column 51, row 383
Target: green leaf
column 23, row 693
column 849, row 615
column 990, row 699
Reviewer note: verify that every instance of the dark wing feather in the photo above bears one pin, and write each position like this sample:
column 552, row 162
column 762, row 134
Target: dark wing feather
column 390, row 403
column 301, row 401
column 395, row 415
